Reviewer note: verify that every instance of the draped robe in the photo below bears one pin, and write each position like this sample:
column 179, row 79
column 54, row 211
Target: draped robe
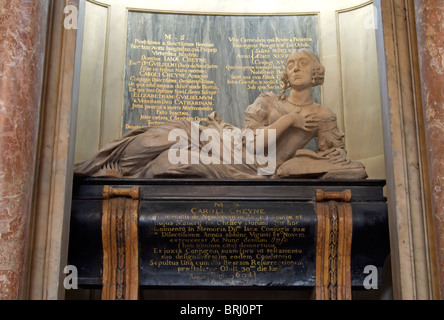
column 144, row 152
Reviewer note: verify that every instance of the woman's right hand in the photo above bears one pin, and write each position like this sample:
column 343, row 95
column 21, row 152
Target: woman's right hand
column 306, row 122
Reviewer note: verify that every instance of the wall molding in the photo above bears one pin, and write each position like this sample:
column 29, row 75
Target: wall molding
column 48, row 242
column 410, row 219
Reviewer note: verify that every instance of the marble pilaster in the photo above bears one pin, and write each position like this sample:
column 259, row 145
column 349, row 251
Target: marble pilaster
column 430, row 32
column 22, row 48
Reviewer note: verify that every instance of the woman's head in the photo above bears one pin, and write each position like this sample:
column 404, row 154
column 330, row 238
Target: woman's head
column 318, row 72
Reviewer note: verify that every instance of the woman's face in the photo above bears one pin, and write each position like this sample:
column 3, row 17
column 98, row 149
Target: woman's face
column 299, row 70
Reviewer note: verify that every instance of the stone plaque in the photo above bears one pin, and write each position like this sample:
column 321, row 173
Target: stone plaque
column 181, row 66
column 228, row 244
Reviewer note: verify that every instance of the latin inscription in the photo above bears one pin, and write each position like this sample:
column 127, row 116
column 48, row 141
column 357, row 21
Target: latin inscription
column 231, row 243
column 207, row 64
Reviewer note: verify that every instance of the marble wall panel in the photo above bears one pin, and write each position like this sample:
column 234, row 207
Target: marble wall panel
column 167, row 52
column 93, row 71
column 360, row 88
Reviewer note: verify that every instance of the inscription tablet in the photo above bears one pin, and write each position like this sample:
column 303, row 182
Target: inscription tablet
column 227, row 244
column 181, row 66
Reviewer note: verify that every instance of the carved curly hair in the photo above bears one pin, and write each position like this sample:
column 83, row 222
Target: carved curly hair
column 318, row 72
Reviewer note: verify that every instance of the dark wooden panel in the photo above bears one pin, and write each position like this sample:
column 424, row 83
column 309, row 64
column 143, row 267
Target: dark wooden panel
column 164, row 201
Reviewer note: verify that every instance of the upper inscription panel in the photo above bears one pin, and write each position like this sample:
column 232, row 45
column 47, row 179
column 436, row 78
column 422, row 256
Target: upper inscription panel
column 181, row 66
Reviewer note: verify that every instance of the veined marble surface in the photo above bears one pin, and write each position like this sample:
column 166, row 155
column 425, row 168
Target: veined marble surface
column 242, row 46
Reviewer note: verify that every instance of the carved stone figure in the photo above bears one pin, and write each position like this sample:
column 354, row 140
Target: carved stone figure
column 276, row 130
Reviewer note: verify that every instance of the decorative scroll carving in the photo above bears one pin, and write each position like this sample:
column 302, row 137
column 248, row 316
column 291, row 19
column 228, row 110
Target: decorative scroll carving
column 120, row 244
column 333, row 247
column 109, row 192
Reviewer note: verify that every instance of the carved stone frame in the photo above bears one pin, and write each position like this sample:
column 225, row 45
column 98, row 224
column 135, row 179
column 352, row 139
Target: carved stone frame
column 49, row 226
column 413, row 257
column 413, row 253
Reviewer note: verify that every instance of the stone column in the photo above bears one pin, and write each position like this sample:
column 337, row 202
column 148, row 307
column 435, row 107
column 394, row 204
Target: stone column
column 23, row 29
column 430, row 31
